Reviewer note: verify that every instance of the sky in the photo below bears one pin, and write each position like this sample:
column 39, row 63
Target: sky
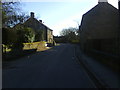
column 59, row 15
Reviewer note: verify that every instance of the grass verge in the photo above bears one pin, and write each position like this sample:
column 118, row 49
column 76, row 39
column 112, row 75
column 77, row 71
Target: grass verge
column 29, row 48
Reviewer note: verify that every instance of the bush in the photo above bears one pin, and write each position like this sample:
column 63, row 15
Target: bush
column 9, row 36
column 25, row 34
column 29, row 35
column 75, row 41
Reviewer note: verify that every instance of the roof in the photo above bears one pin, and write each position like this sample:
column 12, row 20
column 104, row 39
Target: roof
column 33, row 21
column 102, row 7
column 36, row 21
column 45, row 26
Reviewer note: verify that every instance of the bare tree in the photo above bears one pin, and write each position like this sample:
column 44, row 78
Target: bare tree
column 70, row 34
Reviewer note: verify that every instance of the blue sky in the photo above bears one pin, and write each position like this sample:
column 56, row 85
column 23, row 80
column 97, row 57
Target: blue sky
column 60, row 15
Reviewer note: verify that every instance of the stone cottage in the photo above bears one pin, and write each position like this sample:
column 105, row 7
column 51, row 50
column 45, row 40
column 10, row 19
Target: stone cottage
column 39, row 27
column 99, row 29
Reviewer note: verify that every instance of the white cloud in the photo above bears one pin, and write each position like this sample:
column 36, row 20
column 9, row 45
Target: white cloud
column 114, row 3
column 64, row 24
column 51, row 0
column 69, row 22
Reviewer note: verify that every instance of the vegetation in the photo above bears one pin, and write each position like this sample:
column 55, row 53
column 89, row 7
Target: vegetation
column 11, row 14
column 14, row 32
column 29, row 35
column 70, row 35
column 26, row 34
column 18, row 40
column 28, row 48
column 9, row 36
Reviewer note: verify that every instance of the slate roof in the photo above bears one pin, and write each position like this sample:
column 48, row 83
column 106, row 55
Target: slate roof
column 34, row 21
column 103, row 7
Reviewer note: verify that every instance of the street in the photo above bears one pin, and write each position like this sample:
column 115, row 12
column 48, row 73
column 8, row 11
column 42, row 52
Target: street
column 63, row 66
column 54, row 68
column 60, row 44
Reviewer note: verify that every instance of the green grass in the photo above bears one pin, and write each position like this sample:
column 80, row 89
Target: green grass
column 28, row 48
column 6, row 48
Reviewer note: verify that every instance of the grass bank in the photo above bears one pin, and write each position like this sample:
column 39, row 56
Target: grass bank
column 28, row 48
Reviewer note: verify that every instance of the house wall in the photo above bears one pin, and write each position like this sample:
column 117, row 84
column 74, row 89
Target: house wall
column 99, row 29
column 103, row 45
column 119, row 29
column 36, row 25
column 100, row 23
column 50, row 36
column 39, row 27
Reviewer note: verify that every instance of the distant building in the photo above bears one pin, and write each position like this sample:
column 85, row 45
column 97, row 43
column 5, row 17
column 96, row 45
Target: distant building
column 38, row 27
column 99, row 29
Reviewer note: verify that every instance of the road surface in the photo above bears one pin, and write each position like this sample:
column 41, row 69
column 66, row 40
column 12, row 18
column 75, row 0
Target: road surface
column 54, row 68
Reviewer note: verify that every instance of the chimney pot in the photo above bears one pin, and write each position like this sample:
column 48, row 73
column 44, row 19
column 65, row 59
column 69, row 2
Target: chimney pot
column 32, row 14
column 40, row 21
column 102, row 1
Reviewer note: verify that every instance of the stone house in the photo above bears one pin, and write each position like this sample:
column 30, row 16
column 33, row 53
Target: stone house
column 99, row 29
column 39, row 27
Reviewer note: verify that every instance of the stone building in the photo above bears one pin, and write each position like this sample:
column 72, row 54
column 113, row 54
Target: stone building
column 39, row 27
column 99, row 29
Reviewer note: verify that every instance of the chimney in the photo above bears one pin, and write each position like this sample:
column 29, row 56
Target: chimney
column 99, row 1
column 32, row 14
column 40, row 21
column 119, row 5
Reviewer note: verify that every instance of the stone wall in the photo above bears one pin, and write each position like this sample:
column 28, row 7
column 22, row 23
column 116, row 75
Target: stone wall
column 99, row 29
column 50, row 36
column 34, row 45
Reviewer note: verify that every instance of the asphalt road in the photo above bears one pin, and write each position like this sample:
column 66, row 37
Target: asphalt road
column 54, row 68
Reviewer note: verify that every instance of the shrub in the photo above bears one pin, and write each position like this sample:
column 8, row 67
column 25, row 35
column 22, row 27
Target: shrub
column 29, row 35
column 9, row 36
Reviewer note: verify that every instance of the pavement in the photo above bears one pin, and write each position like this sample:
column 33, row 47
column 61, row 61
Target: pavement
column 104, row 74
column 57, row 67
